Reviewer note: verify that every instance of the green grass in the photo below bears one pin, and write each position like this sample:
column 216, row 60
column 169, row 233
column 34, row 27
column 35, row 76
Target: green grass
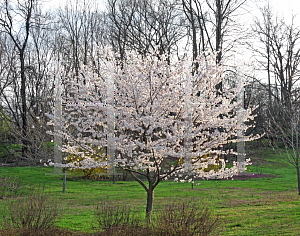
column 265, row 206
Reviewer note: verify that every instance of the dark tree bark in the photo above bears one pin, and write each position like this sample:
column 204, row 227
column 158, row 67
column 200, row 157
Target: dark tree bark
column 149, row 208
column 153, row 180
column 144, row 26
column 64, row 179
column 188, row 10
column 213, row 17
column 298, row 177
column 278, row 54
column 25, row 9
column 286, row 132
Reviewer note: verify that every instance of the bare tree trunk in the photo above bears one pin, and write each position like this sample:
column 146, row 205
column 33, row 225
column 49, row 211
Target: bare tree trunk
column 150, row 192
column 268, row 67
column 25, row 11
column 24, row 108
column 219, row 16
column 150, row 197
column 269, row 60
column 64, row 180
column 298, row 176
column 188, row 10
column 192, row 182
column 219, row 19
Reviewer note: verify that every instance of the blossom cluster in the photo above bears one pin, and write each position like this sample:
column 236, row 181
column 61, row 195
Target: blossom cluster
column 150, row 116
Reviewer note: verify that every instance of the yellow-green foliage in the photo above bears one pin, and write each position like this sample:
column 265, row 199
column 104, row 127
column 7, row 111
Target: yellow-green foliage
column 92, row 173
column 209, row 167
column 212, row 167
column 4, row 124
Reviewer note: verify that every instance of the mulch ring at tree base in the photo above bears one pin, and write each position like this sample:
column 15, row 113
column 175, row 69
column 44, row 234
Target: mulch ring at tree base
column 246, row 176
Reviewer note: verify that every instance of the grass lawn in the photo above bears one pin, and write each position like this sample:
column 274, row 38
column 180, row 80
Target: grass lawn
column 258, row 206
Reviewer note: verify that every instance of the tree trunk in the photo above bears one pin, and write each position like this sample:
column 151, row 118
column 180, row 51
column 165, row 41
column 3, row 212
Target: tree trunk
column 298, row 176
column 64, row 180
column 150, row 196
column 150, row 193
column 219, row 19
column 24, row 108
column 192, row 181
column 195, row 53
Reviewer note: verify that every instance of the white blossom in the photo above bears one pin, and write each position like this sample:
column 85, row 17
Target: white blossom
column 149, row 113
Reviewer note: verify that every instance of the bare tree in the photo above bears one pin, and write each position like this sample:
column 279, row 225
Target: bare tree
column 71, row 24
column 7, row 65
column 279, row 55
column 213, row 20
column 213, row 26
column 26, row 88
column 79, row 29
column 287, row 132
column 145, row 25
column 19, row 34
column 256, row 94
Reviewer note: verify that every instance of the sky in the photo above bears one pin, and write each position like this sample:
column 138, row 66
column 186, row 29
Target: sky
column 281, row 8
column 284, row 8
column 51, row 4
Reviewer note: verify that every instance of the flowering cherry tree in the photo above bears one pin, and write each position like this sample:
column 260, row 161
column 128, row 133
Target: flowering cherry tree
column 162, row 111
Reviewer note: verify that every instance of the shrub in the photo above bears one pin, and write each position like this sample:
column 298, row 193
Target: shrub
column 9, row 186
column 36, row 211
column 183, row 219
column 41, row 232
column 126, row 231
column 108, row 216
column 174, row 219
